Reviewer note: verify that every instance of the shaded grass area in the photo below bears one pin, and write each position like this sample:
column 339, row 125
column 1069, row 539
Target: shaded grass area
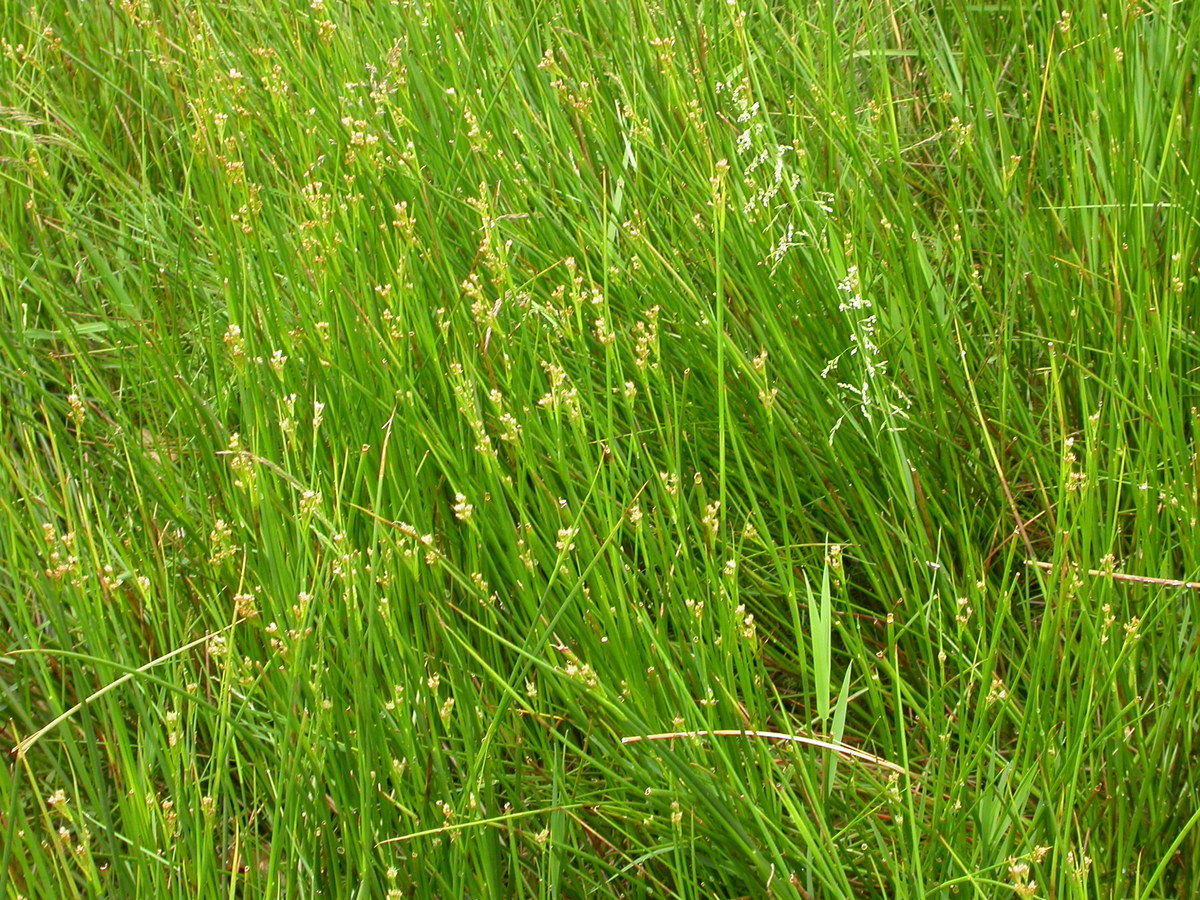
column 404, row 403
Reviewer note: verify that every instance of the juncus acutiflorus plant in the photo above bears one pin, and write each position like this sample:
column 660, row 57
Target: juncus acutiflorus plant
column 535, row 449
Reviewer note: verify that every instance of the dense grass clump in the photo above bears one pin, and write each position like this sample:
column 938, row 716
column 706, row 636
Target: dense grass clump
column 529, row 448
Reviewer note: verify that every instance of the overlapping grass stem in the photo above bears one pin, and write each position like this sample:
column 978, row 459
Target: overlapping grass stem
column 529, row 449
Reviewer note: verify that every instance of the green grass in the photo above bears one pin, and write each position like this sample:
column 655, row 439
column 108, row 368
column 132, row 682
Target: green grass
column 403, row 404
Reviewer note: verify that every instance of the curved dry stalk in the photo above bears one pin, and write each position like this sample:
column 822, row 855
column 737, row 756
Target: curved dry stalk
column 1123, row 576
column 836, row 747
